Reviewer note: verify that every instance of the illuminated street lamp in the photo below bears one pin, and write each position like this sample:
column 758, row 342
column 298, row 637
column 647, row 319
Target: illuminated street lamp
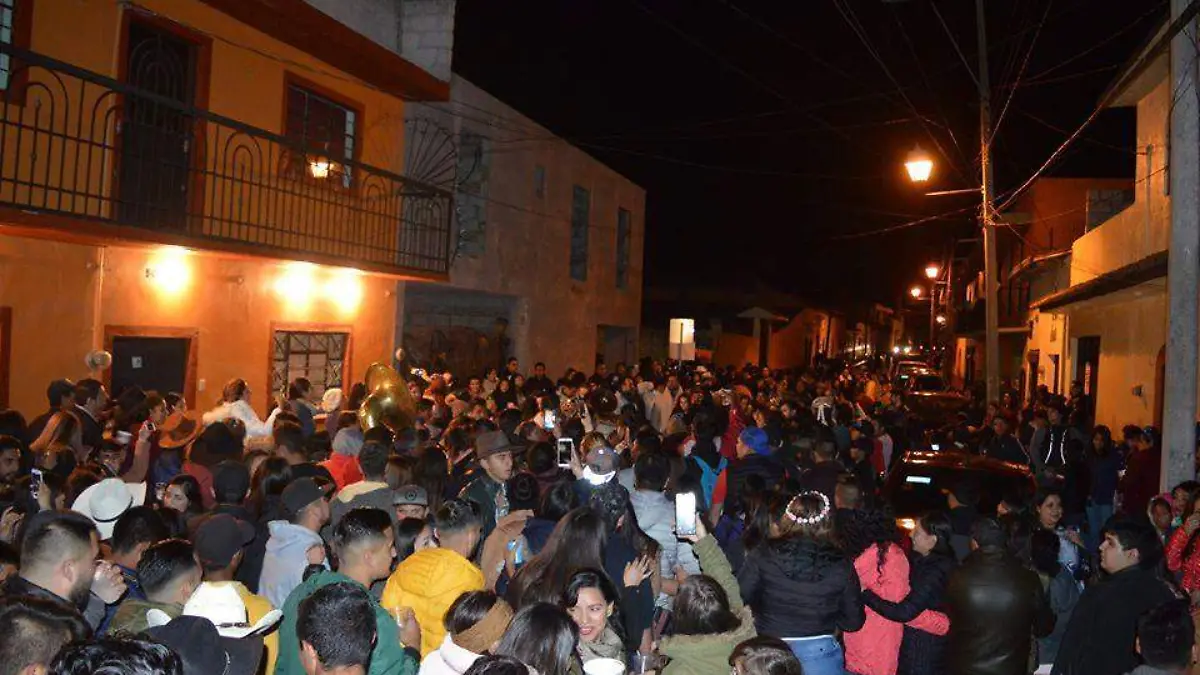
column 932, row 271
column 915, row 291
column 919, row 165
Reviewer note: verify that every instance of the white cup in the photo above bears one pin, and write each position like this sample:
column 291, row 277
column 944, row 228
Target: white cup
column 604, row 667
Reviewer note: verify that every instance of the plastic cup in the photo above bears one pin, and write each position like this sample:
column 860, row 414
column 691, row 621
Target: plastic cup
column 604, row 667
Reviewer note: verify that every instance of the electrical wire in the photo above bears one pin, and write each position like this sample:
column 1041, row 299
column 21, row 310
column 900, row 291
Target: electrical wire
column 1156, row 9
column 1178, row 26
column 1020, row 73
column 924, row 79
column 852, row 20
column 954, row 42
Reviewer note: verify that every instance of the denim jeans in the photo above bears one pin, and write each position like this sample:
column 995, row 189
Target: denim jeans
column 1097, row 516
column 818, row 655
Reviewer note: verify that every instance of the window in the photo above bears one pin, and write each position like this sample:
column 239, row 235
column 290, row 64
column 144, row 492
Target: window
column 580, row 206
column 325, row 129
column 539, row 181
column 318, row 356
column 8, row 11
column 474, row 163
column 624, row 234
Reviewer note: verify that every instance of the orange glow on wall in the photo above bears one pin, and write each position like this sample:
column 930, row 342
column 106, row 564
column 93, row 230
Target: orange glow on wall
column 169, row 271
column 297, row 283
column 344, row 288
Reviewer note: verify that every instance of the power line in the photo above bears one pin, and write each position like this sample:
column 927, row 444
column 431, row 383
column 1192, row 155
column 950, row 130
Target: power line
column 1107, row 39
column 1176, row 27
column 903, row 226
column 852, row 20
column 1012, row 92
column 938, row 108
column 954, row 42
column 736, row 68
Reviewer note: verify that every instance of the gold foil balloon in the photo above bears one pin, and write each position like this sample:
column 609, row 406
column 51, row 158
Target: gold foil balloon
column 388, row 401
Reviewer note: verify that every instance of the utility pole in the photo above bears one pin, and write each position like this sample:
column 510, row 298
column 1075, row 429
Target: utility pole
column 990, row 280
column 1183, row 282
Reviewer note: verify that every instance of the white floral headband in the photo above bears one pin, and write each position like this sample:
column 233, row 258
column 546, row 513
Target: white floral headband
column 813, row 519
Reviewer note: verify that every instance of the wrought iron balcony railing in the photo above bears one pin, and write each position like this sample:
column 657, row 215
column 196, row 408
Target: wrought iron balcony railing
column 80, row 145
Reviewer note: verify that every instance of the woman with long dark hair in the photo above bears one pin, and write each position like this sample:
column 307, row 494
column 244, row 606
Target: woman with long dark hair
column 1059, row 586
column 543, row 637
column 1048, row 507
column 871, row 537
column 590, row 599
column 1104, row 466
column 1183, row 550
column 576, row 543
column 709, row 616
column 801, row 585
column 432, row 472
column 930, row 563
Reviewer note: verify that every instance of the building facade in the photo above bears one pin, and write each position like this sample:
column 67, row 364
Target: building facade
column 1033, row 249
column 207, row 189
column 1113, row 313
column 546, row 260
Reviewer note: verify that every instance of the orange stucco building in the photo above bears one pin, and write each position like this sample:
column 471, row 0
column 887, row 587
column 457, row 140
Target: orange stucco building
column 207, row 189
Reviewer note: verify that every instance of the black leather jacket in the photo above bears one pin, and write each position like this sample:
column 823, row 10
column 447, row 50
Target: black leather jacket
column 996, row 606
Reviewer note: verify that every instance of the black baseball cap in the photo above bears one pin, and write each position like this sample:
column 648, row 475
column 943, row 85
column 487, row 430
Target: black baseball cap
column 300, row 493
column 219, row 537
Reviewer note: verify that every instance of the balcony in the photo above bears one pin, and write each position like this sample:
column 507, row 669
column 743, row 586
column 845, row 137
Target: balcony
column 97, row 159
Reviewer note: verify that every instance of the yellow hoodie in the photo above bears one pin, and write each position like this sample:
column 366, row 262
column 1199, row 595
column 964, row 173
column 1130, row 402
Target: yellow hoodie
column 428, row 582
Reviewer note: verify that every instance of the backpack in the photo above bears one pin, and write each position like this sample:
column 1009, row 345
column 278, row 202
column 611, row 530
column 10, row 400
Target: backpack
column 709, row 476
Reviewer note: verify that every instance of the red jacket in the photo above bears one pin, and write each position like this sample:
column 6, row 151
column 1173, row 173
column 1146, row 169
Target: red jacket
column 1176, row 562
column 875, row 648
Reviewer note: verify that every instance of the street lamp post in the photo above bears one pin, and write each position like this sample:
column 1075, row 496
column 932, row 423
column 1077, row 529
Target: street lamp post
column 992, row 312
column 931, row 272
column 920, row 167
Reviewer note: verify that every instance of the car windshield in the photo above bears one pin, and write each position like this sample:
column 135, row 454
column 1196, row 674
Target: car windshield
column 920, row 488
column 928, row 383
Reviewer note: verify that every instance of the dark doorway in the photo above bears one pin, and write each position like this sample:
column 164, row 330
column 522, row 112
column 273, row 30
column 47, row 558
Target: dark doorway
column 156, row 139
column 1087, row 364
column 152, row 363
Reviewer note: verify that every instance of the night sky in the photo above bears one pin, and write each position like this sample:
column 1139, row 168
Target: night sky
column 764, row 130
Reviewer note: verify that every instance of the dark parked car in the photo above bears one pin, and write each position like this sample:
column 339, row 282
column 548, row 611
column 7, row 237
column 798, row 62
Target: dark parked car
column 919, row 482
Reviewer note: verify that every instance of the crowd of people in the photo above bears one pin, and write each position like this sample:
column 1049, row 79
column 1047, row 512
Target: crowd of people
column 660, row 517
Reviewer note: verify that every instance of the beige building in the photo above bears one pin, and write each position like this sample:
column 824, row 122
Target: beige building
column 546, row 262
column 1111, row 320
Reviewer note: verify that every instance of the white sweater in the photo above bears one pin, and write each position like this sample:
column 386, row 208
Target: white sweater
column 242, row 411
column 449, row 659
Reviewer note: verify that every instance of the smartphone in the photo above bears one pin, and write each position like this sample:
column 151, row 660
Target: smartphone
column 549, row 419
column 685, row 514
column 566, row 450
column 935, row 447
column 35, row 483
column 150, row 426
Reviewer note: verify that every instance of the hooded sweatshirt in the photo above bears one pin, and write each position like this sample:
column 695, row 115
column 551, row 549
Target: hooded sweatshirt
column 285, row 560
column 656, row 516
